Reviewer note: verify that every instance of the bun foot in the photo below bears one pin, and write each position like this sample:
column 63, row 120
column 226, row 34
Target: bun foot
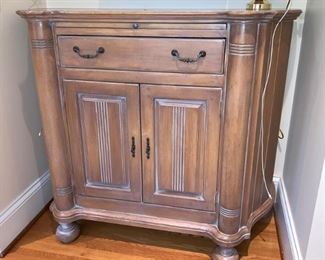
column 66, row 233
column 225, row 253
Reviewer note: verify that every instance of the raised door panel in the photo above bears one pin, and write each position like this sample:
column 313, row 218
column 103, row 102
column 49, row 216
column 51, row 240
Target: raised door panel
column 180, row 133
column 103, row 121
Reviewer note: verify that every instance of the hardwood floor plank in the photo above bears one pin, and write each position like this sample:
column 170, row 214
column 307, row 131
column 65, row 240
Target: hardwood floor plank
column 107, row 241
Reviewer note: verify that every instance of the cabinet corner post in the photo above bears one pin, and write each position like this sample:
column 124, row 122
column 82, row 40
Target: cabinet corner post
column 240, row 77
column 45, row 70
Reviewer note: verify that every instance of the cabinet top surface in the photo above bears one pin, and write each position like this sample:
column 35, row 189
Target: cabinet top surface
column 215, row 14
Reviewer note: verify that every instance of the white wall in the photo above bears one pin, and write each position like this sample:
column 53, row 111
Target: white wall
column 306, row 144
column 22, row 155
column 315, row 248
column 290, row 84
column 167, row 4
column 129, row 4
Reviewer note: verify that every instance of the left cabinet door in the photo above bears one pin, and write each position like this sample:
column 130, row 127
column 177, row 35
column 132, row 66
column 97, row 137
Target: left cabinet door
column 104, row 135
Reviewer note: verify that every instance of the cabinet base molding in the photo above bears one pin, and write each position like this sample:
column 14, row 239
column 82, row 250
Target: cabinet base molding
column 165, row 224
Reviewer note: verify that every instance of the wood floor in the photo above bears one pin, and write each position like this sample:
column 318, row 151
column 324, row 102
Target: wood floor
column 106, row 241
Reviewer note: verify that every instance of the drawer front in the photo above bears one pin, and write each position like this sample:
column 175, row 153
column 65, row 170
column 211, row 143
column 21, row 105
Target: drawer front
column 143, row 54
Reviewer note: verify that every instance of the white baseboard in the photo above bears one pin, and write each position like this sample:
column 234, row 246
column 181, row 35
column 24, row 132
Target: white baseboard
column 285, row 222
column 23, row 209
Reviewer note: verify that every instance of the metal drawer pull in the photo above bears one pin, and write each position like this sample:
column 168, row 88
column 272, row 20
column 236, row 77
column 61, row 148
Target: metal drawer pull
column 133, row 147
column 201, row 54
column 148, row 148
column 100, row 50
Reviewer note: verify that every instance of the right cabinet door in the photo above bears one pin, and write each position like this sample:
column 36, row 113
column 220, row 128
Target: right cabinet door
column 180, row 143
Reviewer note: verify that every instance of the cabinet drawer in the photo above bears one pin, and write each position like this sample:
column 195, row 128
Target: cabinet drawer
column 143, row 54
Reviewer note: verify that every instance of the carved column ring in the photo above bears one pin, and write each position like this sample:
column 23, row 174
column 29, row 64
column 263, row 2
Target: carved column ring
column 42, row 43
column 64, row 191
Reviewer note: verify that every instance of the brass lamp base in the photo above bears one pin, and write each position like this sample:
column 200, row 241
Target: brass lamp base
column 258, row 5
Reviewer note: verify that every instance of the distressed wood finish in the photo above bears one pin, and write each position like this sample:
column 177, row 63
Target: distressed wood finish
column 182, row 125
column 136, row 137
column 103, row 121
column 198, row 80
column 52, row 117
column 242, row 41
column 143, row 54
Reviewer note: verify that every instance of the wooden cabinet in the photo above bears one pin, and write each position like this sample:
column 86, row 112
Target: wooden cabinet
column 181, row 126
column 153, row 118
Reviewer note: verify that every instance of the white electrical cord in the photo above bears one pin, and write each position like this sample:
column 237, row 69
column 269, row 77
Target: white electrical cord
column 268, row 72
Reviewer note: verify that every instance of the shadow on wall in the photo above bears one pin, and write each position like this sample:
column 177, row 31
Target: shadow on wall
column 32, row 115
column 292, row 69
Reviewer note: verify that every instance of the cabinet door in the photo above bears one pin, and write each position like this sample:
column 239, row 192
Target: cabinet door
column 104, row 132
column 180, row 143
